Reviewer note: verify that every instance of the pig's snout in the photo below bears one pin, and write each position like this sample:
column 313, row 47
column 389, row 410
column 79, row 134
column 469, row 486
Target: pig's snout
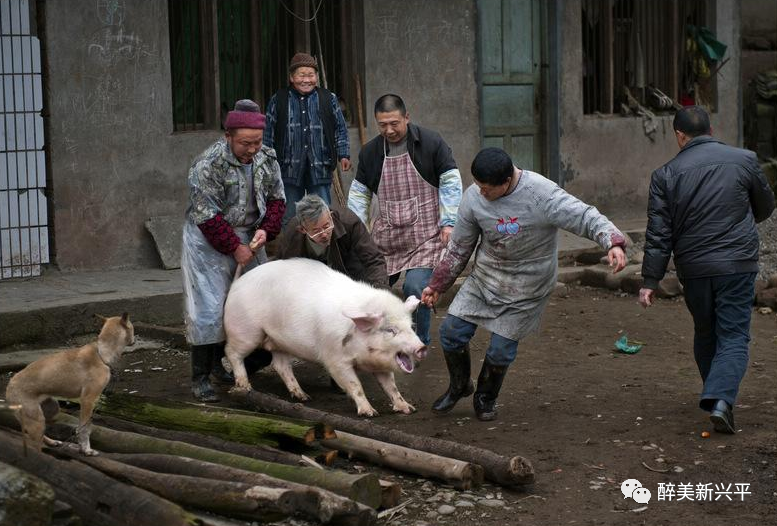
column 420, row 353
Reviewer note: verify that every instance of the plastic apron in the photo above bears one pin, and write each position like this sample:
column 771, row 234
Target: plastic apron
column 207, row 275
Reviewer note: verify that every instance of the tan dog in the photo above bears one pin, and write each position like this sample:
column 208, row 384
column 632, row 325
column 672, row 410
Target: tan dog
column 76, row 373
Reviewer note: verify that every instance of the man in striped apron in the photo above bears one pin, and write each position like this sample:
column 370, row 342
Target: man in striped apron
column 412, row 172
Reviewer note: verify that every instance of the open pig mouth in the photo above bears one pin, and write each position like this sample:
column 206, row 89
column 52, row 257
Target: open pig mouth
column 405, row 362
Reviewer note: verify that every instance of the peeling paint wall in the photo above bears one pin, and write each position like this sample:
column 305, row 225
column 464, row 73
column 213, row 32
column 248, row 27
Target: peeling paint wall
column 607, row 160
column 114, row 158
column 425, row 52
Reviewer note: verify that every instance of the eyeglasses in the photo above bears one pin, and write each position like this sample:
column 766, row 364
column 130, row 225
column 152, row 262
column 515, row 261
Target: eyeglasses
column 321, row 232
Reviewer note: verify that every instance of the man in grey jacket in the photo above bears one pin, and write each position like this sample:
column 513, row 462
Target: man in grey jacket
column 511, row 218
column 703, row 207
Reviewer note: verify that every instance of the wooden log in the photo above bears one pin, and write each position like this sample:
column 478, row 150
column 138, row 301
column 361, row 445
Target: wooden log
column 361, row 488
column 24, row 498
column 323, row 506
column 497, row 468
column 258, row 451
column 232, row 499
column 326, row 457
column 234, row 426
column 96, row 497
column 461, row 475
column 391, row 492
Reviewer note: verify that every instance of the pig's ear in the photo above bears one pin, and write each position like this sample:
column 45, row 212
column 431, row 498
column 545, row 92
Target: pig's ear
column 365, row 322
column 411, row 303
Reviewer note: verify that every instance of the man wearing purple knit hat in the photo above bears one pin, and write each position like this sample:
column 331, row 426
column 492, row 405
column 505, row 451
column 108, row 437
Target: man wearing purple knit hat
column 306, row 127
column 236, row 203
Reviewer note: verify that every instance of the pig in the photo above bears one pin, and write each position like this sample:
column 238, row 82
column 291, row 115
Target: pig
column 302, row 308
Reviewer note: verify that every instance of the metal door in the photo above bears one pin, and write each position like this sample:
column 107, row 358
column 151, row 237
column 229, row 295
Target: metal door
column 24, row 232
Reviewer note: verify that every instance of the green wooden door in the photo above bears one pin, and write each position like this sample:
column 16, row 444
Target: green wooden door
column 510, row 78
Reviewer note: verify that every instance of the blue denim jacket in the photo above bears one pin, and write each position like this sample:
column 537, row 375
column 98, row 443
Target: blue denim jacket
column 294, row 154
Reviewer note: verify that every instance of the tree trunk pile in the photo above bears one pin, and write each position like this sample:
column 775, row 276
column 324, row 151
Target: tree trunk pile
column 163, row 462
column 507, row 471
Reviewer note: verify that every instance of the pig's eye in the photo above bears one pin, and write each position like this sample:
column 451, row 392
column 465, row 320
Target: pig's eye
column 391, row 330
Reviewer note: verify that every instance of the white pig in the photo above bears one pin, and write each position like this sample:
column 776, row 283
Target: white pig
column 302, row 308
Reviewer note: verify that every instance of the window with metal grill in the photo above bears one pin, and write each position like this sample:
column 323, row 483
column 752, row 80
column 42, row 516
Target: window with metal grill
column 638, row 52
column 222, row 51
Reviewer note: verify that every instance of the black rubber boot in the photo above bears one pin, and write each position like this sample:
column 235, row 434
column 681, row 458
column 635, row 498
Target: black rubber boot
column 219, row 374
column 202, row 364
column 460, row 382
column 489, row 384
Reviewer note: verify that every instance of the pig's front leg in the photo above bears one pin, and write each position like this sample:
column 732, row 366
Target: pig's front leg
column 399, row 405
column 283, row 363
column 346, row 378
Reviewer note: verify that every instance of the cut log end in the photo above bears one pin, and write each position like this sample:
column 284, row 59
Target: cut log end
column 390, row 493
column 366, row 489
column 327, row 458
column 521, row 470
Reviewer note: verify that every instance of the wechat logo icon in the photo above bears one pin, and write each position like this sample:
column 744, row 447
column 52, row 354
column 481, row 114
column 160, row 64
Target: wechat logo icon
column 632, row 488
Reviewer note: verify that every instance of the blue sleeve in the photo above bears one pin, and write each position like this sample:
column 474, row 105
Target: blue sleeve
column 269, row 128
column 449, row 193
column 341, row 131
column 359, row 200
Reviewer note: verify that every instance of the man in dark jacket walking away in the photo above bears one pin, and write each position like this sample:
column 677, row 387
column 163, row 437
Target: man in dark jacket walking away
column 703, row 207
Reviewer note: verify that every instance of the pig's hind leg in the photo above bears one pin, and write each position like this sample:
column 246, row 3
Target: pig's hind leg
column 389, row 385
column 282, row 363
column 236, row 351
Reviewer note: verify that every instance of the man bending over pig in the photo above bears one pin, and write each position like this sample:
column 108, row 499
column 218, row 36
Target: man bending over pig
column 514, row 215
column 337, row 238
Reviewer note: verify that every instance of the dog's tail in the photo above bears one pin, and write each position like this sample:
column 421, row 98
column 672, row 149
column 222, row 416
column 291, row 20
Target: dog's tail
column 12, row 395
column 14, row 399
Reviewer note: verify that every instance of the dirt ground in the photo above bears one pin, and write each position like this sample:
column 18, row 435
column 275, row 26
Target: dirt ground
column 587, row 416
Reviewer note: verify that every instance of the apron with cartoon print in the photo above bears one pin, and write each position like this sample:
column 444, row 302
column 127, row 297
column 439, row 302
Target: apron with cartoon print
column 407, row 230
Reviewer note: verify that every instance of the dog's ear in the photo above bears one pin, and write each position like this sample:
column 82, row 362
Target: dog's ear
column 101, row 318
column 125, row 319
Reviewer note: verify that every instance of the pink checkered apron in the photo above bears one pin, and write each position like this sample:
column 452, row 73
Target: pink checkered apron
column 407, row 230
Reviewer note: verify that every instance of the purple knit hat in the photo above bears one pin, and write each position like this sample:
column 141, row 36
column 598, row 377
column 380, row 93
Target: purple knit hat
column 245, row 115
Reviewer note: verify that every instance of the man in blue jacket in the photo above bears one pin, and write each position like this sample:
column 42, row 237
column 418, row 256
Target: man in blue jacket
column 306, row 127
column 702, row 208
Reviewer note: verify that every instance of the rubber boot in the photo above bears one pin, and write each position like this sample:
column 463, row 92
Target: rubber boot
column 202, row 364
column 219, row 374
column 460, row 382
column 489, row 384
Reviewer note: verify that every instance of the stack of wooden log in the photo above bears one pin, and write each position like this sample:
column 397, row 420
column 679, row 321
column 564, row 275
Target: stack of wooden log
column 176, row 463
